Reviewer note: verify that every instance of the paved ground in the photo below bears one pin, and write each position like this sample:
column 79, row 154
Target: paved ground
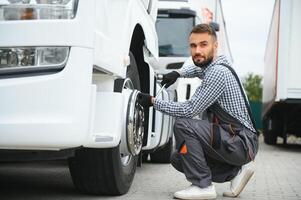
column 278, row 176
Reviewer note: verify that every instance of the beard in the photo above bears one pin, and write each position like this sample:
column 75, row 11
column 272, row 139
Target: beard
column 207, row 60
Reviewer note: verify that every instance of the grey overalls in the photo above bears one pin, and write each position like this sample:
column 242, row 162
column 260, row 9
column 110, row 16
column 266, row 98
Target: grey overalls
column 215, row 151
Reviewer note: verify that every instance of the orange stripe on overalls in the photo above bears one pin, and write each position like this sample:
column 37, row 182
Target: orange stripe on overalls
column 183, row 149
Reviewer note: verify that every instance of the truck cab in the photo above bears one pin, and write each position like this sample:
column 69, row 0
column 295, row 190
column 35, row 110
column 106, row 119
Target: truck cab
column 174, row 22
column 70, row 74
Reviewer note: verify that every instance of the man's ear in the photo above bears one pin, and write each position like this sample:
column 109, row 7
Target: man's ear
column 215, row 46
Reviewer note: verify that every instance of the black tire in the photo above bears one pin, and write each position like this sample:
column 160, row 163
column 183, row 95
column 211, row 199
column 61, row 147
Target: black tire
column 101, row 171
column 145, row 157
column 132, row 72
column 270, row 136
column 163, row 155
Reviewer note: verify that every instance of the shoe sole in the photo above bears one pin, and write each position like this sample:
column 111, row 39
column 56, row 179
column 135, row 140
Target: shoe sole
column 245, row 180
column 196, row 198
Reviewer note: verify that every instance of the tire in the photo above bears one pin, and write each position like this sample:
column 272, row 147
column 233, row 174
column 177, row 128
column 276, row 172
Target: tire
column 100, row 171
column 103, row 171
column 132, row 72
column 270, row 136
column 163, row 155
column 145, row 157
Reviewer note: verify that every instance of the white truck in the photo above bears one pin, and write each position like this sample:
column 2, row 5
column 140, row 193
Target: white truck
column 70, row 72
column 282, row 85
column 174, row 23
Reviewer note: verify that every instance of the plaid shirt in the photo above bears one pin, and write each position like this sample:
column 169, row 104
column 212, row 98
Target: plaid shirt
column 218, row 86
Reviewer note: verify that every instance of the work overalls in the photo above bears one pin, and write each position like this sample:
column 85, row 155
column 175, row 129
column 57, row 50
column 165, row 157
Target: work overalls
column 215, row 151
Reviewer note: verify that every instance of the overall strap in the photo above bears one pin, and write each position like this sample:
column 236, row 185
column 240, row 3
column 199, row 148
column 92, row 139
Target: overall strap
column 243, row 94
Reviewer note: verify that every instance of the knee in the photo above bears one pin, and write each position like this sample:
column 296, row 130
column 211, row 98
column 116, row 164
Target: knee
column 175, row 161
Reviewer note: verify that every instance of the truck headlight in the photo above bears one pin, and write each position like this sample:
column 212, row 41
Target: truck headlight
column 37, row 9
column 32, row 59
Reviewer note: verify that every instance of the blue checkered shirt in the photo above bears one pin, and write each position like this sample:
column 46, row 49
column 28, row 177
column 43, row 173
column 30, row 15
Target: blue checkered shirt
column 218, row 86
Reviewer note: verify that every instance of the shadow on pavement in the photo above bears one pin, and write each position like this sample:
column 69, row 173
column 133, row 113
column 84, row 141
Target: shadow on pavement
column 293, row 144
column 38, row 180
column 289, row 147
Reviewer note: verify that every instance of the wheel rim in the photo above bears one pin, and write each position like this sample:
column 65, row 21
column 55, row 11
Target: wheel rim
column 134, row 124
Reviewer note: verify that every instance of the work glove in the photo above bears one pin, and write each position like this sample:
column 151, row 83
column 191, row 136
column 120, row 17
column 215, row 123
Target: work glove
column 144, row 99
column 170, row 78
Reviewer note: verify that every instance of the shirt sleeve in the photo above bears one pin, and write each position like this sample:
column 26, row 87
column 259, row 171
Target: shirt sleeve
column 189, row 71
column 206, row 94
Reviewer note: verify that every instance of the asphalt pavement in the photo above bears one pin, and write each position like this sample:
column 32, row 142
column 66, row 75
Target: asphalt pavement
column 277, row 176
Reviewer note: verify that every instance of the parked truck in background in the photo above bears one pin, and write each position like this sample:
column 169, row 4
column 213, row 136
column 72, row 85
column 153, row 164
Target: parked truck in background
column 282, row 84
column 70, row 73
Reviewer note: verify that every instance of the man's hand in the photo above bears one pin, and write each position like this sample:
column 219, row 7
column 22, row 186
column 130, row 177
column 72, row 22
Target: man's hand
column 145, row 100
column 170, row 78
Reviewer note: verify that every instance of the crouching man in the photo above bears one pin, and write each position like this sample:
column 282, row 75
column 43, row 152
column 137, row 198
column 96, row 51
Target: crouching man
column 217, row 149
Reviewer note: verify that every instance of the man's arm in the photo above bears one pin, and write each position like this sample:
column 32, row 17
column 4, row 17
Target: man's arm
column 212, row 87
column 189, row 71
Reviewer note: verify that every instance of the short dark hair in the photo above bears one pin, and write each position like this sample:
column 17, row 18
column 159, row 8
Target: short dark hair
column 204, row 28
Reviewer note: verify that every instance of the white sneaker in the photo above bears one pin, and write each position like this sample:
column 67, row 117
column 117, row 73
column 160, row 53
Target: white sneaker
column 195, row 192
column 240, row 180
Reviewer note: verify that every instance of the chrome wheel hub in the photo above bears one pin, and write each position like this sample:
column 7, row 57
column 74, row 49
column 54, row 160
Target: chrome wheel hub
column 132, row 137
column 135, row 124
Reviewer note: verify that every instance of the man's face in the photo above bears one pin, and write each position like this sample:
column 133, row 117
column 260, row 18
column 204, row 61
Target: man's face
column 203, row 48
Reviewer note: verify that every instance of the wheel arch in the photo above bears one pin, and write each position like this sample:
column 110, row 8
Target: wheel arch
column 136, row 47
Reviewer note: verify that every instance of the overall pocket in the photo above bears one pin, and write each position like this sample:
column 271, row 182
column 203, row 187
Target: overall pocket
column 227, row 142
column 215, row 136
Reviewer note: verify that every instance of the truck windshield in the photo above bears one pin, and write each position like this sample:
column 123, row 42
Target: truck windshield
column 173, row 35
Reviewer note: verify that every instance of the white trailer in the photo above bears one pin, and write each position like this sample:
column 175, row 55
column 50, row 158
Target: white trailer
column 282, row 84
column 70, row 71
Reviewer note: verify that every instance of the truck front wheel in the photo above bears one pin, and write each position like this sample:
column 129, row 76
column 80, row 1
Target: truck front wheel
column 102, row 171
column 111, row 171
